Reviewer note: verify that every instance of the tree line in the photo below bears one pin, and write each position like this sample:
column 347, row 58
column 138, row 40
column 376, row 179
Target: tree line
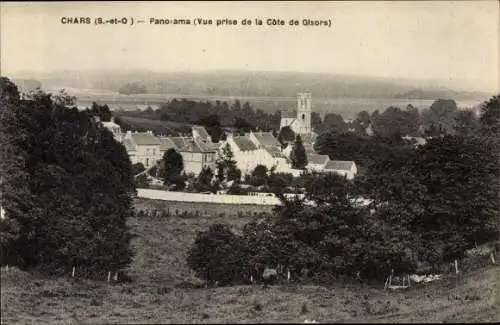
column 50, row 150
column 428, row 206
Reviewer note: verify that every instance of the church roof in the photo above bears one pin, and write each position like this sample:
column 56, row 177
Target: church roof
column 288, row 114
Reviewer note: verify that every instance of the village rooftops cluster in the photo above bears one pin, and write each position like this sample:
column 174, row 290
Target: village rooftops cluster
column 249, row 150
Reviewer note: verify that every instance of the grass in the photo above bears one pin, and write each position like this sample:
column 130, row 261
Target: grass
column 201, row 207
column 159, row 293
column 144, row 124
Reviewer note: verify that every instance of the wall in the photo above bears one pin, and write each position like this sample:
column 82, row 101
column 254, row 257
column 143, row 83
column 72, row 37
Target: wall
column 206, row 198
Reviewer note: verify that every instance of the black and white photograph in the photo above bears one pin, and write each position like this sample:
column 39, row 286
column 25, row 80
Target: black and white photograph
column 249, row 162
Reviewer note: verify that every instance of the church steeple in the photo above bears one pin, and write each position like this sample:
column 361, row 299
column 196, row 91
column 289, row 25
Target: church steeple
column 304, row 110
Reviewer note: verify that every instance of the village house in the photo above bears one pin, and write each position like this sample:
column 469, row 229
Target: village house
column 142, row 148
column 341, row 167
column 257, row 148
column 196, row 155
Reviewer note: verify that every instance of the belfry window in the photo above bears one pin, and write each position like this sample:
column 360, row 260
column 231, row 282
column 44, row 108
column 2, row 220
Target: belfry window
column 303, row 116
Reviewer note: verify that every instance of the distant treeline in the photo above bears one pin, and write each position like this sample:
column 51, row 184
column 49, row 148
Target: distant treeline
column 442, row 117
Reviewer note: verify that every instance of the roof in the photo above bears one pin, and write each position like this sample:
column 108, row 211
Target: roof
column 197, row 147
column 288, row 114
column 167, row 143
column 339, row 165
column 244, row 143
column 267, row 139
column 145, row 139
column 201, row 131
column 110, row 125
column 129, row 145
column 275, row 152
column 179, row 142
column 317, row 159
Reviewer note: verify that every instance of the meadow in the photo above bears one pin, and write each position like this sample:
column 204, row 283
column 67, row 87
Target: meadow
column 165, row 290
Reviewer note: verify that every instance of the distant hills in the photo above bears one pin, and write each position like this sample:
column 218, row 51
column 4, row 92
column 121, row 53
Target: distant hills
column 244, row 83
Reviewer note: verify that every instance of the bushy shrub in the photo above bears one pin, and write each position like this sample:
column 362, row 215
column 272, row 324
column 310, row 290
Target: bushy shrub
column 214, row 255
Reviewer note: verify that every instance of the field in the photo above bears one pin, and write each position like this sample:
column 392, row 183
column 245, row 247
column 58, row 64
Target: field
column 144, row 124
column 345, row 106
column 163, row 292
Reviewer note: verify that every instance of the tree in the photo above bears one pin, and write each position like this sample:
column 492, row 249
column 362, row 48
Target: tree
column 138, row 168
column 335, row 123
column 213, row 127
column 67, row 155
column 326, row 188
column 298, row 156
column 14, row 193
column 441, row 113
column 174, row 166
column 258, row 176
column 316, row 121
column 102, row 111
column 286, row 135
column 204, row 180
column 490, row 117
column 214, row 255
column 364, row 118
column 226, row 166
column 466, row 123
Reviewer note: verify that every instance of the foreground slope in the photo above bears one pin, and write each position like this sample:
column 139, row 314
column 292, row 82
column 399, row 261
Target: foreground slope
column 163, row 292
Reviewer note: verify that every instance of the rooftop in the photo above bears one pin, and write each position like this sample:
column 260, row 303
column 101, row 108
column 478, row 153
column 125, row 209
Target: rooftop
column 180, row 142
column 267, row 139
column 129, row 145
column 167, row 143
column 201, row 131
column 197, row 147
column 244, row 143
column 145, row 139
column 288, row 114
column 275, row 152
column 339, row 165
column 317, row 159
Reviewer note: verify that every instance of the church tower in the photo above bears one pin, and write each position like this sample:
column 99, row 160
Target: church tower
column 304, row 110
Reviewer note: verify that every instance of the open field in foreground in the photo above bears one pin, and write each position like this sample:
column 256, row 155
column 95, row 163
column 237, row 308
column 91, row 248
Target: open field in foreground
column 160, row 294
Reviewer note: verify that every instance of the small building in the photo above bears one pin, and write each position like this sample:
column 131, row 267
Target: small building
column 142, row 148
column 316, row 162
column 199, row 132
column 259, row 148
column 196, row 155
column 114, row 128
column 342, row 167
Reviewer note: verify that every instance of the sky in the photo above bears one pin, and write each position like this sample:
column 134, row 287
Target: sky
column 455, row 42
